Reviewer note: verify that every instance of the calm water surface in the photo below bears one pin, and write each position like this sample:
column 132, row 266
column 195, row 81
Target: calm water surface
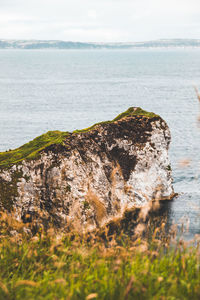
column 71, row 89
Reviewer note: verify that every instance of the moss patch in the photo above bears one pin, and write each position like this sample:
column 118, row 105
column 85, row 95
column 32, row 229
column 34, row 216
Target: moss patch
column 135, row 111
column 86, row 205
column 132, row 111
column 32, row 149
column 169, row 168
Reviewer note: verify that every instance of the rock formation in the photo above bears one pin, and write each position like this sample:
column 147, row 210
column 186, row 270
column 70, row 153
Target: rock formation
column 87, row 177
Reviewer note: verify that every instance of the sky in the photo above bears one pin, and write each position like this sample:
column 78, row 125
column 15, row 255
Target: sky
column 99, row 20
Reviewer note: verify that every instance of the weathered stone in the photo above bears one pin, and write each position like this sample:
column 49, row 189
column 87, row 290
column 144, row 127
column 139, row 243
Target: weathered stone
column 88, row 177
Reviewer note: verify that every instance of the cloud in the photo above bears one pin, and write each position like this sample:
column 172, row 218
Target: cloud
column 92, row 14
column 95, row 20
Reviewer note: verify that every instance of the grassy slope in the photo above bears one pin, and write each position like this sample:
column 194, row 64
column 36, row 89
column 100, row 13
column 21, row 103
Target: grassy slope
column 32, row 149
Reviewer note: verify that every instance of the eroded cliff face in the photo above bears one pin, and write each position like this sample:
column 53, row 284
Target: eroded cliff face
column 87, row 177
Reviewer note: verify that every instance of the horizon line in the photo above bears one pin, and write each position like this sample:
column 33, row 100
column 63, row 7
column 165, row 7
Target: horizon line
column 102, row 42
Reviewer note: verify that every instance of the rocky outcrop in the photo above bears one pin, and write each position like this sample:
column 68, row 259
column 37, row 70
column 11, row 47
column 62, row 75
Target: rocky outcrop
column 87, row 177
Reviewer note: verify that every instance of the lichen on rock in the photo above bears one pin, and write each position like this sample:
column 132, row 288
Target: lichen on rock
column 87, row 177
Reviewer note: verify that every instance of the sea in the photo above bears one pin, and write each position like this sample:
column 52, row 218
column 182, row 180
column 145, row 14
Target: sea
column 42, row 90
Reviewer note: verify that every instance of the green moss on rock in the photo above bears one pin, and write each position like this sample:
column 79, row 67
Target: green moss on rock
column 86, row 205
column 32, row 149
column 135, row 111
column 132, row 111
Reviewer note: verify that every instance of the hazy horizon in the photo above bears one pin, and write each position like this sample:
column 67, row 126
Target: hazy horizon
column 100, row 42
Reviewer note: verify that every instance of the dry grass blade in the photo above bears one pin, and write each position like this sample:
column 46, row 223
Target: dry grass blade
column 92, row 296
column 160, row 279
column 144, row 212
column 96, row 203
column 140, row 228
column 26, row 282
column 4, row 288
column 184, row 163
column 143, row 247
column 129, row 287
column 59, row 264
column 197, row 93
column 198, row 97
column 60, row 281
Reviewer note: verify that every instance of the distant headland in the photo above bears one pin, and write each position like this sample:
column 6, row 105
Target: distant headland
column 56, row 44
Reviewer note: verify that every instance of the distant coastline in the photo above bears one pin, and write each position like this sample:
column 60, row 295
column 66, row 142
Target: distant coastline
column 54, row 44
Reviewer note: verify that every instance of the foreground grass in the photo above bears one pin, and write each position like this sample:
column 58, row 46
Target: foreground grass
column 50, row 266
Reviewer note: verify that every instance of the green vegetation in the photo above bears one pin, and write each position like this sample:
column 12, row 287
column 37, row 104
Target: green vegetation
column 32, row 149
column 86, row 205
column 169, row 168
column 132, row 111
column 51, row 266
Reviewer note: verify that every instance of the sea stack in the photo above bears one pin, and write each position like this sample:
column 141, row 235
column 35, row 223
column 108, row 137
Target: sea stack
column 88, row 177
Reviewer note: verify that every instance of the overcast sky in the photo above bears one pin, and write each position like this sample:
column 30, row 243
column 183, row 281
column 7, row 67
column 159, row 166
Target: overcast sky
column 99, row 20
